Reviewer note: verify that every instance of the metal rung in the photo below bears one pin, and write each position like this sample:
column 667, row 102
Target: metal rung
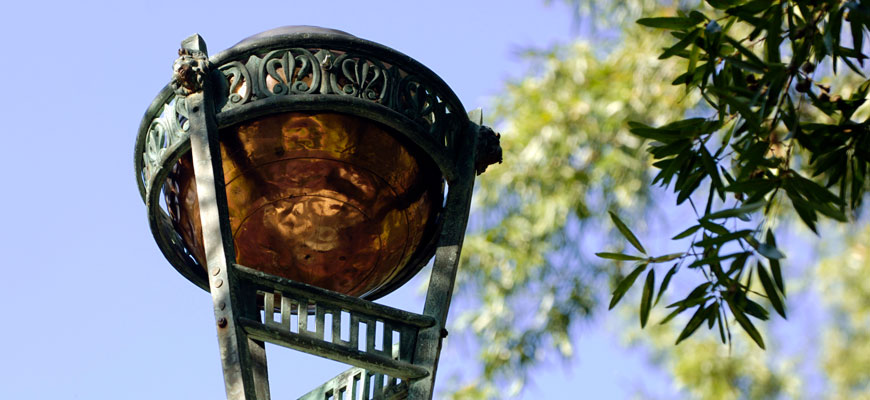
column 352, row 385
column 370, row 361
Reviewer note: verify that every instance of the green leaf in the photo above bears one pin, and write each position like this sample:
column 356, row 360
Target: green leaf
column 625, row 285
column 813, row 191
column 751, row 186
column 718, row 240
column 754, row 309
column 774, row 264
column 746, row 324
column 773, row 294
column 693, row 61
column 681, row 45
column 714, row 227
column 715, row 259
column 695, row 297
column 774, row 31
column 734, row 212
column 648, row 132
column 618, row 256
column 738, row 262
column 712, row 313
column 665, row 282
column 667, row 22
column 666, row 257
column 627, row 233
column 697, row 319
column 751, row 58
column 712, row 170
column 646, row 298
column 670, row 149
column 723, row 4
column 687, row 232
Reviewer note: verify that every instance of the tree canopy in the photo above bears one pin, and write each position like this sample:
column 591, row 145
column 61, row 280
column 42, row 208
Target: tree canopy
column 780, row 130
column 751, row 112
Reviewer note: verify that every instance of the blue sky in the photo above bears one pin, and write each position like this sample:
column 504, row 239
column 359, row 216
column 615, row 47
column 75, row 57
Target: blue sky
column 92, row 309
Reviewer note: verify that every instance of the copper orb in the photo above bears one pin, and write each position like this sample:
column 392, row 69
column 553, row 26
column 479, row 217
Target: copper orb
column 327, row 199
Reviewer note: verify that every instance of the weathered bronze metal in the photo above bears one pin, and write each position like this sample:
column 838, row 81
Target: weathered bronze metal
column 327, row 199
column 305, row 168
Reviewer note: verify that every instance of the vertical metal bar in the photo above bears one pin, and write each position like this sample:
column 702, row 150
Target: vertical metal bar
column 336, row 326
column 407, row 338
column 387, row 340
column 354, row 331
column 367, row 386
column 355, row 385
column 303, row 317
column 286, row 311
column 269, row 309
column 319, row 319
column 379, row 386
column 244, row 360
column 371, row 332
column 428, row 348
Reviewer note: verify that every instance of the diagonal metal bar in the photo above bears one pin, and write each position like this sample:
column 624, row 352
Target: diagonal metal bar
column 446, row 263
column 243, row 359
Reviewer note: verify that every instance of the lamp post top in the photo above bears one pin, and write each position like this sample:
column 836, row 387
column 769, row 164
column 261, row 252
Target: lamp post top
column 292, row 30
column 306, row 70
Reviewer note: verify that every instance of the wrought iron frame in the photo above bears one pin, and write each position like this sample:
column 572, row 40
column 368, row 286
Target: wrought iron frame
column 311, row 70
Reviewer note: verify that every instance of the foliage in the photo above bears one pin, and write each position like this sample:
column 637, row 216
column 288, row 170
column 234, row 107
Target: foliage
column 771, row 136
column 569, row 158
column 775, row 130
column 830, row 343
column 845, row 290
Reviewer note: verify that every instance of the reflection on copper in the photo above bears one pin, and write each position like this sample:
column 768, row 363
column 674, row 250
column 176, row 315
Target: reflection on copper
column 327, row 199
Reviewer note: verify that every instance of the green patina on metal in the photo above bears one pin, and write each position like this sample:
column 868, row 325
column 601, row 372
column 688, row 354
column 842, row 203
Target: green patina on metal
column 311, row 69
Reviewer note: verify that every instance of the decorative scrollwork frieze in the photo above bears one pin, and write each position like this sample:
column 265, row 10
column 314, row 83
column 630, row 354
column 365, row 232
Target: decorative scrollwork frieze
column 238, row 80
column 292, row 71
column 166, row 130
column 299, row 71
column 359, row 77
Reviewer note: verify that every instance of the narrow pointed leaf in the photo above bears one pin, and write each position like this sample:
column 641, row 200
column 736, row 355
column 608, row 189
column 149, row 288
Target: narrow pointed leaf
column 618, row 256
column 774, row 264
column 687, row 232
column 666, row 257
column 773, row 294
column 646, row 298
column 627, row 233
column 697, row 319
column 667, row 22
column 733, row 212
column 625, row 285
column 665, row 282
column 741, row 318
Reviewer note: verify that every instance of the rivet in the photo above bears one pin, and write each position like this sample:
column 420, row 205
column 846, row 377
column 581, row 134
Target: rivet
column 215, row 271
column 222, row 322
column 222, row 305
column 443, row 333
column 218, row 283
